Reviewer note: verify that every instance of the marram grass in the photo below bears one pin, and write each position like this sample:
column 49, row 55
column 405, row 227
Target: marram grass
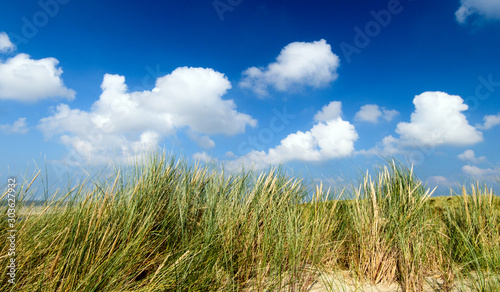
column 170, row 226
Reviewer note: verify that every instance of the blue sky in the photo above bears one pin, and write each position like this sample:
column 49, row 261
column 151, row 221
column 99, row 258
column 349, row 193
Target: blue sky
column 324, row 87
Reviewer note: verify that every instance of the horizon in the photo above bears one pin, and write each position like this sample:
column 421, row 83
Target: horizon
column 321, row 88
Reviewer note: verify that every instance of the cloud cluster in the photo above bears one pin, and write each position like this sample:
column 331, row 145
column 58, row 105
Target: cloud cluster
column 28, row 80
column 6, row 45
column 298, row 64
column 124, row 124
column 330, row 138
column 372, row 112
column 18, row 126
column 489, row 9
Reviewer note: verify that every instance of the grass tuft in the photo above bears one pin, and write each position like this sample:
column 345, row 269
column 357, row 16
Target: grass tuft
column 170, row 226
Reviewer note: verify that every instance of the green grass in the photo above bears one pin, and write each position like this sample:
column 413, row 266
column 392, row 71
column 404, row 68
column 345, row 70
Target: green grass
column 170, row 226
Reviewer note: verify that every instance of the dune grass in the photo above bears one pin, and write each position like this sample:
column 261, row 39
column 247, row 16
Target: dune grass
column 171, row 226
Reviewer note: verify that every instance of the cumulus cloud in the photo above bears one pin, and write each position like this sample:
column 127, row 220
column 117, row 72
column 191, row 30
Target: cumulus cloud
column 372, row 112
column 298, row 64
column 6, row 45
column 438, row 120
column 27, row 80
column 328, row 139
column 489, row 9
column 490, row 121
column 329, row 112
column 123, row 123
column 18, row 126
column 470, row 156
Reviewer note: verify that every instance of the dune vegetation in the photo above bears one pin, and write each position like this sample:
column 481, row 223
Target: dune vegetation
column 171, row 226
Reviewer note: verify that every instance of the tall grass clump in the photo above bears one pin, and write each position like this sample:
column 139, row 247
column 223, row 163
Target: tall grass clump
column 166, row 225
column 170, row 226
column 473, row 232
column 390, row 229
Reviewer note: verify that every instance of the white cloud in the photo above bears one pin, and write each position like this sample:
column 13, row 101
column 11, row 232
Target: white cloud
column 389, row 114
column 202, row 140
column 371, row 113
column 6, row 46
column 18, row 126
column 438, row 120
column 329, row 112
column 203, row 157
column 489, row 9
column 123, row 123
column 25, row 79
column 470, row 156
column 298, row 64
column 391, row 145
column 368, row 113
column 480, row 173
column 490, row 121
column 328, row 139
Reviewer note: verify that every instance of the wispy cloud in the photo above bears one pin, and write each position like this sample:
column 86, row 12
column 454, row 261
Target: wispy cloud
column 372, row 113
column 490, row 121
column 470, row 156
column 202, row 157
column 6, row 45
column 489, row 9
column 480, row 173
column 18, row 126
